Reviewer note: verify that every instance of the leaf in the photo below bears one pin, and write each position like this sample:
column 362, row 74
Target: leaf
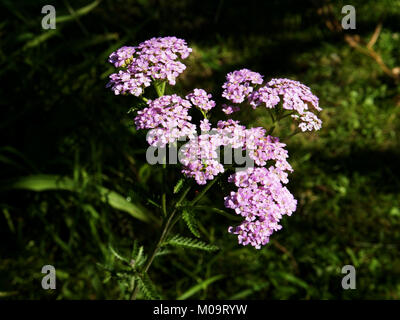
column 293, row 279
column 245, row 293
column 147, row 287
column 19, row 155
column 44, row 182
column 191, row 222
column 201, row 286
column 163, row 252
column 117, row 255
column 179, row 185
column 4, row 294
column 40, row 38
column 9, row 220
column 80, row 12
column 180, row 241
column 117, row 201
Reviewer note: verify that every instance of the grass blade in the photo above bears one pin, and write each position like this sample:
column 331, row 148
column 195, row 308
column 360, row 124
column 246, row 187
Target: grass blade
column 44, row 182
column 199, row 286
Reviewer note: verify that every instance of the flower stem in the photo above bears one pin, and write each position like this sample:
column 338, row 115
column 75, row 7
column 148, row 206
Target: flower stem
column 160, row 88
column 203, row 192
column 166, row 229
column 290, row 135
column 164, row 194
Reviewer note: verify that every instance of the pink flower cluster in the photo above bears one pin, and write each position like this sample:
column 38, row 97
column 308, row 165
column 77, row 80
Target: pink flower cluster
column 231, row 133
column 262, row 200
column 154, row 59
column 239, row 83
column 229, row 109
column 122, row 57
column 201, row 99
column 169, row 118
column 296, row 97
column 260, row 147
column 200, row 158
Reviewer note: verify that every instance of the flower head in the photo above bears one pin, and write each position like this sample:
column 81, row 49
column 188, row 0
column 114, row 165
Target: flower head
column 122, row 57
column 168, row 117
column 154, row 59
column 205, row 125
column 296, row 97
column 200, row 158
column 201, row 99
column 262, row 200
column 227, row 109
column 239, row 83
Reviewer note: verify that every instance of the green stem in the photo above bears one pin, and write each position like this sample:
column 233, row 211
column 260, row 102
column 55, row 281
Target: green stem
column 272, row 116
column 203, row 192
column 164, row 194
column 160, row 88
column 270, row 130
column 290, row 135
column 286, row 115
column 177, row 205
column 203, row 113
column 166, row 229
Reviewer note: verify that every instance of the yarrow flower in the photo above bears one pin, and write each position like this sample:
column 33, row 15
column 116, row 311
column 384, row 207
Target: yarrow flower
column 263, row 148
column 126, row 83
column 168, row 117
column 122, row 57
column 200, row 158
column 296, row 97
column 261, row 197
column 227, row 109
column 262, row 200
column 239, row 83
column 259, row 147
column 205, row 125
column 201, row 99
column 232, row 133
column 154, row 59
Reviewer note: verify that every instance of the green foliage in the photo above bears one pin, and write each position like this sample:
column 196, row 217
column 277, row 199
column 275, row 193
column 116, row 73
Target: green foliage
column 179, row 185
column 147, row 287
column 200, row 286
column 189, row 243
column 191, row 222
column 49, row 182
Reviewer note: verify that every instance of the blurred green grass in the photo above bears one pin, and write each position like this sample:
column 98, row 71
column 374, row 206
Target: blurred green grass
column 59, row 119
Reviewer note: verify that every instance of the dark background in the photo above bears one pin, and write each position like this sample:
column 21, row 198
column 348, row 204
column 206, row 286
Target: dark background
column 59, row 120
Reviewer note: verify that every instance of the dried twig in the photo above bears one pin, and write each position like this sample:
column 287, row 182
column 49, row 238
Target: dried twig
column 355, row 41
column 375, row 36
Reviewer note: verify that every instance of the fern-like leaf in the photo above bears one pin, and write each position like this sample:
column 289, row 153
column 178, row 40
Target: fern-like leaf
column 117, row 255
column 179, row 185
column 190, row 219
column 190, row 243
column 147, row 287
